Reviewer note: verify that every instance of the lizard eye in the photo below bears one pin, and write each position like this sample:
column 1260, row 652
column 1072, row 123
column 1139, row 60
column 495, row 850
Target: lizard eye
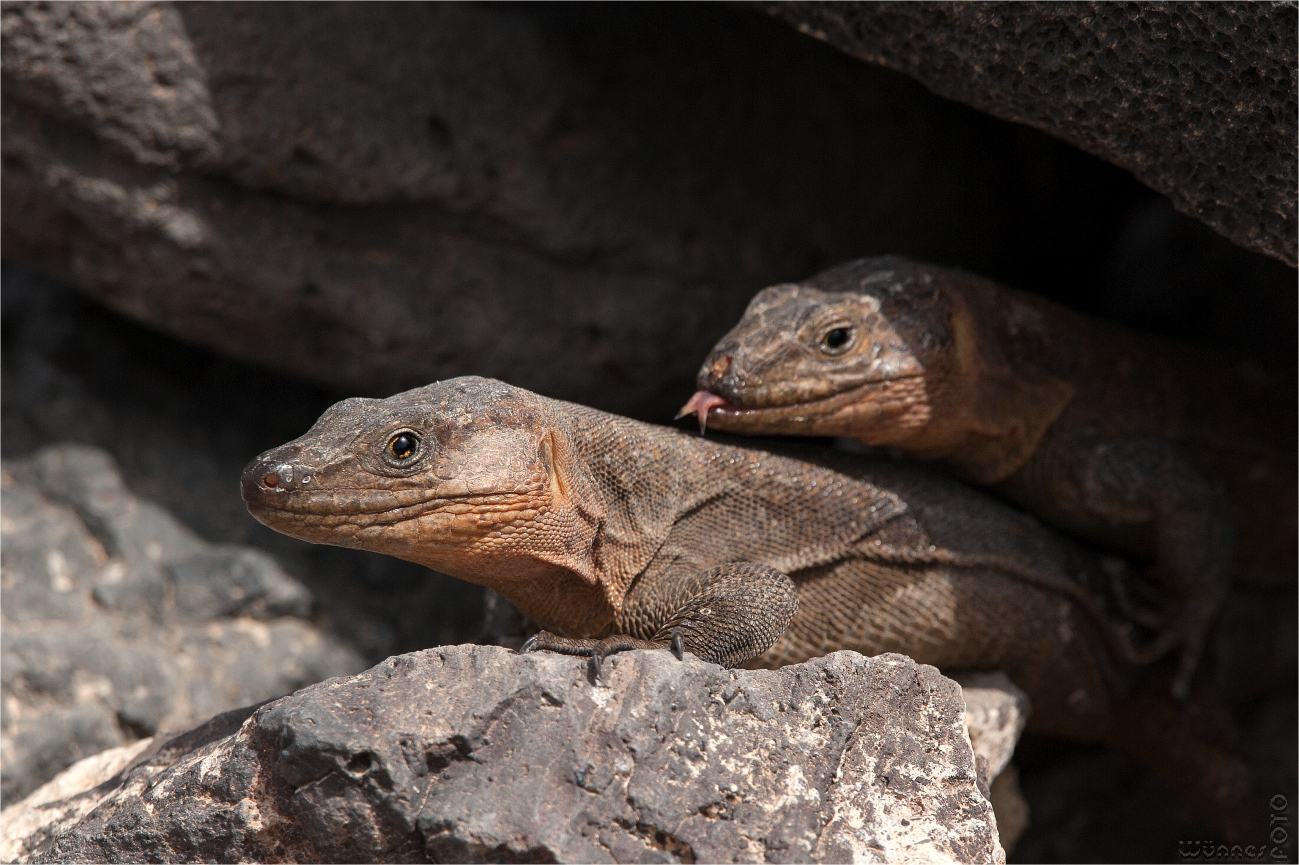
column 403, row 446
column 836, row 339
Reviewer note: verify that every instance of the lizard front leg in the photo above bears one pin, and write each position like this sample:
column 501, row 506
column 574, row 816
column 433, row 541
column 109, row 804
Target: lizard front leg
column 1152, row 482
column 725, row 615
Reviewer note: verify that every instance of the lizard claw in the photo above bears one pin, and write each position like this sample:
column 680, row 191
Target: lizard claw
column 1188, row 659
column 678, row 646
column 529, row 645
column 597, row 668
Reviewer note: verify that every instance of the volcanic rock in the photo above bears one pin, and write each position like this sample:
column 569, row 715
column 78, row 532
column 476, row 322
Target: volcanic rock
column 474, row 754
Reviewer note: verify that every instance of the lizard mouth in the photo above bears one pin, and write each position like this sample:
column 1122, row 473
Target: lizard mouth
column 323, row 510
column 327, row 509
column 809, row 417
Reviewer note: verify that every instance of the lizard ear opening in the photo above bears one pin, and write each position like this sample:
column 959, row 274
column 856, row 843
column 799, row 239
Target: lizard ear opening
column 556, row 469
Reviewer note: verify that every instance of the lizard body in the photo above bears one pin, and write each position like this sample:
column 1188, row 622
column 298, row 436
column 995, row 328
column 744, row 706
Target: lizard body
column 1143, row 445
column 592, row 523
column 616, row 534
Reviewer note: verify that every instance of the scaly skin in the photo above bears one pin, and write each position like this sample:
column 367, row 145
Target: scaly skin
column 1155, row 449
column 616, row 534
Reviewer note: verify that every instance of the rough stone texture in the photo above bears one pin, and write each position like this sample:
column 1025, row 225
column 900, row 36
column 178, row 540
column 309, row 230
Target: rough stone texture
column 996, row 712
column 21, row 820
column 477, row 754
column 119, row 622
column 567, row 198
column 1198, row 100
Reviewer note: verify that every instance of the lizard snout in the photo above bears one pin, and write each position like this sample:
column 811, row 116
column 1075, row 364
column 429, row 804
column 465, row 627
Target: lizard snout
column 266, row 478
column 719, row 374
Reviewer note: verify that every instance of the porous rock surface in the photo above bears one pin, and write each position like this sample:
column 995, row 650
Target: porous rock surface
column 118, row 621
column 577, row 200
column 1198, row 100
column 475, row 753
column 996, row 712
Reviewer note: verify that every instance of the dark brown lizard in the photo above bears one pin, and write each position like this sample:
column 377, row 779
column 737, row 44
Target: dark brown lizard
column 1153, row 448
column 616, row 534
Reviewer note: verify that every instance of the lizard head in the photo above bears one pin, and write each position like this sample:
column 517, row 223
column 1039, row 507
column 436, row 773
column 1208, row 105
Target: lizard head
column 470, row 477
column 859, row 351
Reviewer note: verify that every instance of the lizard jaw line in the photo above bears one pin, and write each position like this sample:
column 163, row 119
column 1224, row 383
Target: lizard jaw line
column 362, row 517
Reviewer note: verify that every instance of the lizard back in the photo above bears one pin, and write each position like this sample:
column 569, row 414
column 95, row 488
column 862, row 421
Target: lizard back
column 819, row 515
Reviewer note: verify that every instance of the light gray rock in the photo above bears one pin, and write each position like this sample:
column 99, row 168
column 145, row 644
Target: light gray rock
column 22, row 820
column 996, row 712
column 229, row 580
column 131, row 529
column 478, row 754
column 119, row 622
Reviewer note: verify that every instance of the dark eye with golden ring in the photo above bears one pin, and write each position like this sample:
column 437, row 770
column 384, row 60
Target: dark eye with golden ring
column 403, row 446
column 836, row 339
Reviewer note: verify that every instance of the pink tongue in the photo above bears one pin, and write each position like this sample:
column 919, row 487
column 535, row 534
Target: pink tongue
column 701, row 404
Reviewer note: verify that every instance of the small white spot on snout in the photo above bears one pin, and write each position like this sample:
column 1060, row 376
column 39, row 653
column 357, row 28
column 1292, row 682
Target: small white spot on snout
column 285, row 472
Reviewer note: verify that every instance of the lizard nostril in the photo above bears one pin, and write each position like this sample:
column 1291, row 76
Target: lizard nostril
column 720, row 366
column 271, row 481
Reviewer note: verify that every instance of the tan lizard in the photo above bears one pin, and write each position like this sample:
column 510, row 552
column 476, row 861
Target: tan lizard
column 616, row 534
column 1136, row 443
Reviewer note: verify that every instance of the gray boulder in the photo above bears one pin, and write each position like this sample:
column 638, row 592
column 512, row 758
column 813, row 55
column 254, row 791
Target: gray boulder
column 119, row 622
column 1198, row 100
column 996, row 712
column 475, row 754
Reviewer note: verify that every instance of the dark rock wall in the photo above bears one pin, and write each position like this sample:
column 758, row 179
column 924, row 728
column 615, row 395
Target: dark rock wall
column 1198, row 100
column 578, row 200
